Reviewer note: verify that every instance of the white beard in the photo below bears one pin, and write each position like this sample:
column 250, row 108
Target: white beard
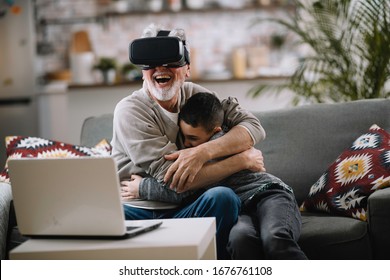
column 164, row 94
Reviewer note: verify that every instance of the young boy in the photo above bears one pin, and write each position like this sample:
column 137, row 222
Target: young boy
column 267, row 202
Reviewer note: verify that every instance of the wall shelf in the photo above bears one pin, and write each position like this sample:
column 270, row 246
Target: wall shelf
column 65, row 21
column 256, row 7
column 101, row 18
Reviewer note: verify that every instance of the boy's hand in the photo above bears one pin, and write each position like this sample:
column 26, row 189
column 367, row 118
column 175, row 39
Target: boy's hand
column 187, row 164
column 130, row 189
column 254, row 159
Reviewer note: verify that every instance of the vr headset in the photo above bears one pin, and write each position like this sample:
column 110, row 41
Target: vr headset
column 162, row 50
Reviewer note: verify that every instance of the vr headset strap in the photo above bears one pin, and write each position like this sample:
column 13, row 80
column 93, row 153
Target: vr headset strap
column 163, row 33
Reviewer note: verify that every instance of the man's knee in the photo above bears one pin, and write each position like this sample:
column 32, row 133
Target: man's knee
column 222, row 196
column 219, row 202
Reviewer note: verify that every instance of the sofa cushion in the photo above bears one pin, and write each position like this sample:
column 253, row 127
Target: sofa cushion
column 344, row 188
column 21, row 147
column 334, row 237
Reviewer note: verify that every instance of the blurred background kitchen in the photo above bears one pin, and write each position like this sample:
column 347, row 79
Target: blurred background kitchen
column 63, row 61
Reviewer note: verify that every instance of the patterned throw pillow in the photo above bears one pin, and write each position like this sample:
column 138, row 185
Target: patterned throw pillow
column 359, row 171
column 22, row 147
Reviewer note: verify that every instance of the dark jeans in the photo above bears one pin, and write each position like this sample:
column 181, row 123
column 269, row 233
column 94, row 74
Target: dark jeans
column 219, row 202
column 270, row 230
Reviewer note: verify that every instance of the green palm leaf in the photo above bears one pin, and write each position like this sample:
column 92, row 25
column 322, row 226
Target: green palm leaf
column 351, row 45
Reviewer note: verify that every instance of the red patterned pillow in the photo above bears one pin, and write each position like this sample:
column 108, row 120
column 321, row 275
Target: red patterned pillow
column 22, row 147
column 359, row 171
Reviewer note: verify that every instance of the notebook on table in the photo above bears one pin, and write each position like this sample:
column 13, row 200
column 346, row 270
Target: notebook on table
column 70, row 197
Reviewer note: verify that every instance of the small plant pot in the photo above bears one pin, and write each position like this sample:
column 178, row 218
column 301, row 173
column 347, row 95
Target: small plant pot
column 109, row 76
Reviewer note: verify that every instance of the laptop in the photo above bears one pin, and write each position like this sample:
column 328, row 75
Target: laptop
column 70, row 197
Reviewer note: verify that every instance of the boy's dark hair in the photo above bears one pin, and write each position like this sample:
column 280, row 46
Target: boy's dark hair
column 202, row 109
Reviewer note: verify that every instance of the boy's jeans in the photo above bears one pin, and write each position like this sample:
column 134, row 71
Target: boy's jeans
column 270, row 230
column 219, row 202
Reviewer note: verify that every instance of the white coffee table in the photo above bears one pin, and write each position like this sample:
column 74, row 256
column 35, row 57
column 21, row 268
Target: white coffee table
column 190, row 238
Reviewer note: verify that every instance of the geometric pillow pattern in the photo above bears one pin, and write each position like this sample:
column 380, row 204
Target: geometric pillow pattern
column 35, row 147
column 363, row 168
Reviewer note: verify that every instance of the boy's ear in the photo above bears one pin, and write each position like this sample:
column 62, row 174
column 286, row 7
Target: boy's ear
column 217, row 129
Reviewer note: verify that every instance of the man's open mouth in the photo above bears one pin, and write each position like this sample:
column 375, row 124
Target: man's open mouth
column 161, row 79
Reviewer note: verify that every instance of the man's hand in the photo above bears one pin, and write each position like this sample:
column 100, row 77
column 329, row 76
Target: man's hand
column 187, row 164
column 130, row 189
column 254, row 159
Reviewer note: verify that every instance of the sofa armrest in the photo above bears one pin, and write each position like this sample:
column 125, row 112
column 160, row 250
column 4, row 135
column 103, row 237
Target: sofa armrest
column 379, row 222
column 5, row 200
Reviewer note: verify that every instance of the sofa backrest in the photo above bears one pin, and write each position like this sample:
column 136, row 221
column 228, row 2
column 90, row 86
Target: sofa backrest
column 303, row 141
column 96, row 128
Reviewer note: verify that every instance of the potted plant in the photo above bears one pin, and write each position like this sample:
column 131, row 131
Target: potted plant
column 130, row 72
column 107, row 66
column 350, row 43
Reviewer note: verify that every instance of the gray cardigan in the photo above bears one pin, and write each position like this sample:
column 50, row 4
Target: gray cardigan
column 143, row 134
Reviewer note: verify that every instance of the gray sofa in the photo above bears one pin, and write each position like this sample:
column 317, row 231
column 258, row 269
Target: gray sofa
column 301, row 143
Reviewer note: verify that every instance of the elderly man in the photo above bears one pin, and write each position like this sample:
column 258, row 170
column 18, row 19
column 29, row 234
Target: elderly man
column 146, row 139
